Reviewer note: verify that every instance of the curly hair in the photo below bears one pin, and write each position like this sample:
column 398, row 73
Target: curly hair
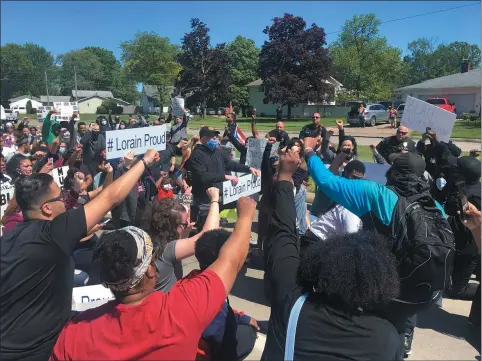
column 350, row 271
column 69, row 178
column 114, row 256
column 161, row 220
column 208, row 246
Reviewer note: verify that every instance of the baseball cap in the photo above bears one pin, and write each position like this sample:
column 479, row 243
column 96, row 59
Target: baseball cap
column 208, row 132
column 469, row 167
column 407, row 163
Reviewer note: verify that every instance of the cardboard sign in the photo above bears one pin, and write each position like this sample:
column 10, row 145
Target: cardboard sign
column 247, row 185
column 42, row 113
column 254, row 156
column 7, row 193
column 87, row 297
column 59, row 175
column 185, row 199
column 418, row 115
column 138, row 140
column 177, row 107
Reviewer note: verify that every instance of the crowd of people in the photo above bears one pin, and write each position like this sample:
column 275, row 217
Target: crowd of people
column 345, row 277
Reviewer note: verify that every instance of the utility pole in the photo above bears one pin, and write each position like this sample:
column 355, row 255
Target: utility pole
column 47, row 87
column 75, row 79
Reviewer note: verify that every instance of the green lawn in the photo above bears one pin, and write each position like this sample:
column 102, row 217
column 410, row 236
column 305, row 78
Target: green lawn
column 463, row 129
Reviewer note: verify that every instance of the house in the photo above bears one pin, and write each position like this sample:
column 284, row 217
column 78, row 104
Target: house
column 89, row 104
column 462, row 88
column 256, row 96
column 150, row 100
column 54, row 99
column 81, row 94
column 19, row 104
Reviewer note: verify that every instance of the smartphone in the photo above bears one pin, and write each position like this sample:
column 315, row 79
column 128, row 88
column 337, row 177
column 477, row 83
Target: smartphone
column 51, row 161
column 105, row 222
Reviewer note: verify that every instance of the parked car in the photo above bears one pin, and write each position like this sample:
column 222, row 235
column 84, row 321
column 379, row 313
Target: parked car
column 11, row 116
column 374, row 113
column 210, row 111
column 442, row 103
column 400, row 110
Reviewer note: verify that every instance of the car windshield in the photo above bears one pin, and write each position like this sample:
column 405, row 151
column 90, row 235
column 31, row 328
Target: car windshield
column 436, row 101
column 401, row 107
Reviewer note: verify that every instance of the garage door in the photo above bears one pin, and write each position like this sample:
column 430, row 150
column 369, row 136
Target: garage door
column 464, row 103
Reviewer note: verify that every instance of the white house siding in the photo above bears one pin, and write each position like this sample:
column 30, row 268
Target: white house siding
column 90, row 105
column 23, row 104
column 465, row 99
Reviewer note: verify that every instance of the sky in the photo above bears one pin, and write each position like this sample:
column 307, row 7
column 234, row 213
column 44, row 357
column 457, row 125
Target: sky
column 61, row 26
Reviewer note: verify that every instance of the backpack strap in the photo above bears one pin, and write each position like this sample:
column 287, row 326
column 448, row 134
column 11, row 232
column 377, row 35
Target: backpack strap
column 291, row 331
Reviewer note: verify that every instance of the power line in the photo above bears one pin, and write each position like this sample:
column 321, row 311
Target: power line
column 414, row 16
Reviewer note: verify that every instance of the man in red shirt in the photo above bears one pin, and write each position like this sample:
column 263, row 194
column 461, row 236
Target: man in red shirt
column 141, row 324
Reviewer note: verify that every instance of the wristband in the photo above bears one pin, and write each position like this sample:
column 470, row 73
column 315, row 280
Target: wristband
column 143, row 161
column 214, row 202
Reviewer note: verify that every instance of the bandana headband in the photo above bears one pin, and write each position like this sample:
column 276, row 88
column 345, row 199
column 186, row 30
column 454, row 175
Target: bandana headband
column 144, row 257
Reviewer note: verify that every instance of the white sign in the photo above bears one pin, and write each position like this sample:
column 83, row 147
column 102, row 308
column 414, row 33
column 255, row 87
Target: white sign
column 418, row 115
column 183, row 199
column 90, row 296
column 59, row 175
column 254, row 156
column 138, row 140
column 6, row 195
column 3, row 116
column 42, row 113
column 247, row 185
column 177, row 107
column 274, row 148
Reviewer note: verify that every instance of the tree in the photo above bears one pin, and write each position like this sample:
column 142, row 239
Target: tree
column 123, row 87
column 42, row 61
column 151, row 59
column 426, row 61
column 205, row 69
column 111, row 104
column 294, row 63
column 363, row 60
column 244, row 68
column 28, row 107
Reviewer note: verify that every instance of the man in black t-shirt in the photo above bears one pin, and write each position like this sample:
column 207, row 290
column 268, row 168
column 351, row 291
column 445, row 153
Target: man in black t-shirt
column 398, row 143
column 313, row 130
column 36, row 261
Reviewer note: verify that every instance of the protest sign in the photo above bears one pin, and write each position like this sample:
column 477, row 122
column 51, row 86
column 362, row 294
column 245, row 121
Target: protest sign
column 59, row 175
column 138, row 140
column 42, row 113
column 177, row 107
column 418, row 115
column 87, row 297
column 274, row 148
column 376, row 172
column 3, row 116
column 8, row 190
column 254, row 156
column 246, row 186
column 185, row 199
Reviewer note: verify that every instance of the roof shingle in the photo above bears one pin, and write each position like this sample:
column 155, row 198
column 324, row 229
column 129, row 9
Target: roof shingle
column 469, row 79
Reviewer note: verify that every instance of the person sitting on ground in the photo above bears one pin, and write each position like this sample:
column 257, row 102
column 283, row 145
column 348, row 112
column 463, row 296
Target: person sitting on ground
column 395, row 144
column 345, row 281
column 232, row 334
column 143, row 324
column 168, row 225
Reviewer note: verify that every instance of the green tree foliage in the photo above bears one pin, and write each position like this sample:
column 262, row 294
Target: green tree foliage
column 205, row 71
column 294, row 63
column 364, row 62
column 28, row 107
column 244, row 68
column 42, row 61
column 111, row 104
column 88, row 68
column 151, row 59
column 427, row 61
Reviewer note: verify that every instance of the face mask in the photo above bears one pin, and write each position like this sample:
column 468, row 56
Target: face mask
column 122, row 126
column 167, row 187
column 178, row 120
column 212, row 144
column 440, row 183
column 62, row 150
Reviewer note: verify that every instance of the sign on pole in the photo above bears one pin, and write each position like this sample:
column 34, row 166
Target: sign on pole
column 87, row 297
column 418, row 115
column 254, row 156
column 246, row 186
column 7, row 193
column 59, row 175
column 138, row 140
column 177, row 107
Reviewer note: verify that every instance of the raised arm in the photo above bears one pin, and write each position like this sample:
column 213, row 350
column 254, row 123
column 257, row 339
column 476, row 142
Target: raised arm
column 254, row 128
column 116, row 192
column 46, row 126
column 327, row 154
column 185, row 247
column 233, row 253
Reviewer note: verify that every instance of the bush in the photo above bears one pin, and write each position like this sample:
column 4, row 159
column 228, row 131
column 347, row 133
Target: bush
column 470, row 117
column 118, row 110
column 33, row 111
column 28, row 107
column 101, row 110
column 138, row 109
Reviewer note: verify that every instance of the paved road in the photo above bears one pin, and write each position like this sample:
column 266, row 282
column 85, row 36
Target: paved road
column 442, row 333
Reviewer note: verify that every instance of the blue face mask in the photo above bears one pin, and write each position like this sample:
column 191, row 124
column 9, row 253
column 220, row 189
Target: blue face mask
column 212, row 144
column 440, row 183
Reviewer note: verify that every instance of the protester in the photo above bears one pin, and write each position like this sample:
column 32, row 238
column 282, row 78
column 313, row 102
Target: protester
column 143, row 324
column 336, row 219
column 93, row 143
column 81, row 130
column 345, row 144
column 232, row 334
column 392, row 116
column 179, row 129
column 279, row 134
column 36, row 259
column 23, row 148
column 235, row 136
column 345, row 281
column 387, row 206
column 396, row 143
column 315, row 129
column 209, row 164
column 50, row 129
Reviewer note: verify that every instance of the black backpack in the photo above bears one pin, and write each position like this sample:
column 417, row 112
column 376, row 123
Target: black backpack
column 423, row 246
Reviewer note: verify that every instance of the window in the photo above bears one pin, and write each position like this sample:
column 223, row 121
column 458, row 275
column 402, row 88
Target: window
column 261, row 89
column 436, row 101
column 381, row 107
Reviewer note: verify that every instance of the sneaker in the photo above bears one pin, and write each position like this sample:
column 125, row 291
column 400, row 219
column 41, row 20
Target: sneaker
column 408, row 344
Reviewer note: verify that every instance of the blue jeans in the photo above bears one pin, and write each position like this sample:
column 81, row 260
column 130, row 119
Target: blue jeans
column 300, row 205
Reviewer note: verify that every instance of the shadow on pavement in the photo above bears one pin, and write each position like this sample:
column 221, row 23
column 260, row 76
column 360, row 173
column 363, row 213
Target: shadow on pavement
column 454, row 325
column 249, row 288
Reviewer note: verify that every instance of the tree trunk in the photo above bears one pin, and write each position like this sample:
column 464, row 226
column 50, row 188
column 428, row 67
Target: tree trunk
column 243, row 111
column 289, row 112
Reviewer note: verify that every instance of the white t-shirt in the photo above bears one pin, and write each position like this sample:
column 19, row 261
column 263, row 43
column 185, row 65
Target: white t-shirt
column 337, row 220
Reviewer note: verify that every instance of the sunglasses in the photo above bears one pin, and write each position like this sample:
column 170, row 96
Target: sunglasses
column 184, row 225
column 402, row 133
column 56, row 199
column 316, row 117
